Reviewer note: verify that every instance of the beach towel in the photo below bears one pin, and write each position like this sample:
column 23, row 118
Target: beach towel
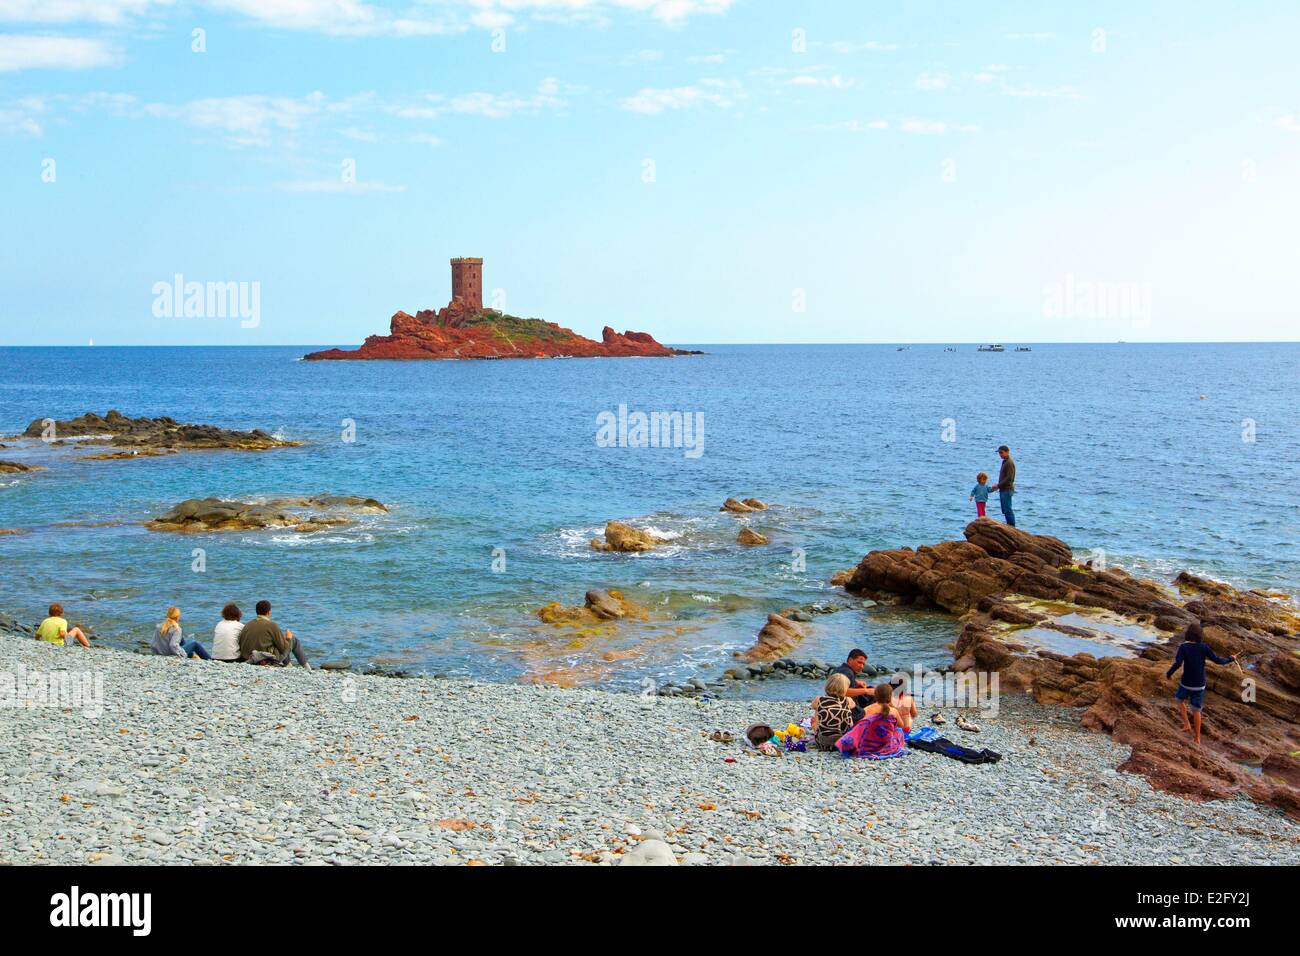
column 942, row 745
column 874, row 738
column 922, row 733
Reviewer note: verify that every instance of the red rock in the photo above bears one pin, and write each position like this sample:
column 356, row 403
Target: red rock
column 1127, row 697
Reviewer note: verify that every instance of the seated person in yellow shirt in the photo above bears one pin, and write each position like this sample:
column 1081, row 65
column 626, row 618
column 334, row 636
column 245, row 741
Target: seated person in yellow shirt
column 54, row 629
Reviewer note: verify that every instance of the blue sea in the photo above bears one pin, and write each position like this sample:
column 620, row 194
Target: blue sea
column 1164, row 456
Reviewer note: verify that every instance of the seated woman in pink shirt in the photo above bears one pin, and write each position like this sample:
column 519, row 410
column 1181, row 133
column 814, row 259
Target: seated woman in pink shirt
column 878, row 735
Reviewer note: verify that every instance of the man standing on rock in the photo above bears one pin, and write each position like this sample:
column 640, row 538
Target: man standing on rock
column 1006, row 486
column 858, row 691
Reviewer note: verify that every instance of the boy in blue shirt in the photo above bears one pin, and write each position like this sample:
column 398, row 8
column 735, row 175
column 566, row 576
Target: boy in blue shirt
column 1192, row 654
column 980, row 493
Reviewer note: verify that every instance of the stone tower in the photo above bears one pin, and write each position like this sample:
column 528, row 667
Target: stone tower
column 467, row 283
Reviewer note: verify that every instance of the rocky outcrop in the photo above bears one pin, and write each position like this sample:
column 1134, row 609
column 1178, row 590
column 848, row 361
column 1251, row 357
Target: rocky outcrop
column 599, row 607
column 1252, row 718
column 455, row 333
column 736, row 506
column 17, row 468
column 300, row 514
column 145, row 437
column 779, row 636
column 132, row 453
column 624, row 537
column 750, row 537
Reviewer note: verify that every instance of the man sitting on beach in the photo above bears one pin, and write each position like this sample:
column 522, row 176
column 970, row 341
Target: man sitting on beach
column 859, row 694
column 262, row 641
column 54, row 629
column 1006, row 486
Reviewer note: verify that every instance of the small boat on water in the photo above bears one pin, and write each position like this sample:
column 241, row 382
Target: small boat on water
column 991, row 348
column 1023, row 348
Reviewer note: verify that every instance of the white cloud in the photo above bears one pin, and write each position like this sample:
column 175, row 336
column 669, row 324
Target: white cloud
column 1034, row 37
column 869, row 46
column 336, row 17
column 671, row 12
column 244, row 120
column 75, row 11
column 933, row 82
column 1033, row 92
column 339, row 186
column 549, row 94
column 492, row 20
column 834, row 81
column 855, row 126
column 935, row 127
column 359, row 18
column 260, row 120
column 499, row 105
column 653, row 101
column 22, row 52
column 24, row 116
column 991, row 72
column 922, row 127
column 359, row 135
column 1288, row 122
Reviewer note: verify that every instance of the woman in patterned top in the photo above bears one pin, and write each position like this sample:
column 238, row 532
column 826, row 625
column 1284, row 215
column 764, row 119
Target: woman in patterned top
column 832, row 712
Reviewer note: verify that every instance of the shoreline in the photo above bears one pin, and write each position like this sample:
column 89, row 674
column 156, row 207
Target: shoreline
column 202, row 763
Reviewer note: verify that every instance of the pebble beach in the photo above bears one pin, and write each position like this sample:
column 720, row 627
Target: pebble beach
column 206, row 763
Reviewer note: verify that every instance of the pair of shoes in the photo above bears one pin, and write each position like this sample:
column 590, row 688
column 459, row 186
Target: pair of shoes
column 723, row 736
column 938, row 719
column 966, row 725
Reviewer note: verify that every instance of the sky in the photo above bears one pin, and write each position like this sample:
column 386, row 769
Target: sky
column 710, row 171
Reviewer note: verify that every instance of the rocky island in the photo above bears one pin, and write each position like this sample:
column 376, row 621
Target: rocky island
column 464, row 329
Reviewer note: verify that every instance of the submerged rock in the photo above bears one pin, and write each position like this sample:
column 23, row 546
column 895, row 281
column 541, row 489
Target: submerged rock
column 778, row 637
column 133, row 453
column 743, row 507
column 151, row 436
column 598, row 607
column 840, row 578
column 624, row 537
column 301, row 514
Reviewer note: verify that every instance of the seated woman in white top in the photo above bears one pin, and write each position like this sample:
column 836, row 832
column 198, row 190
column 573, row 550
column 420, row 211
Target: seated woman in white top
column 225, row 640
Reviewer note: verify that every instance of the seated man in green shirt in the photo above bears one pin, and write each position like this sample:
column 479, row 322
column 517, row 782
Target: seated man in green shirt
column 54, row 629
column 262, row 640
